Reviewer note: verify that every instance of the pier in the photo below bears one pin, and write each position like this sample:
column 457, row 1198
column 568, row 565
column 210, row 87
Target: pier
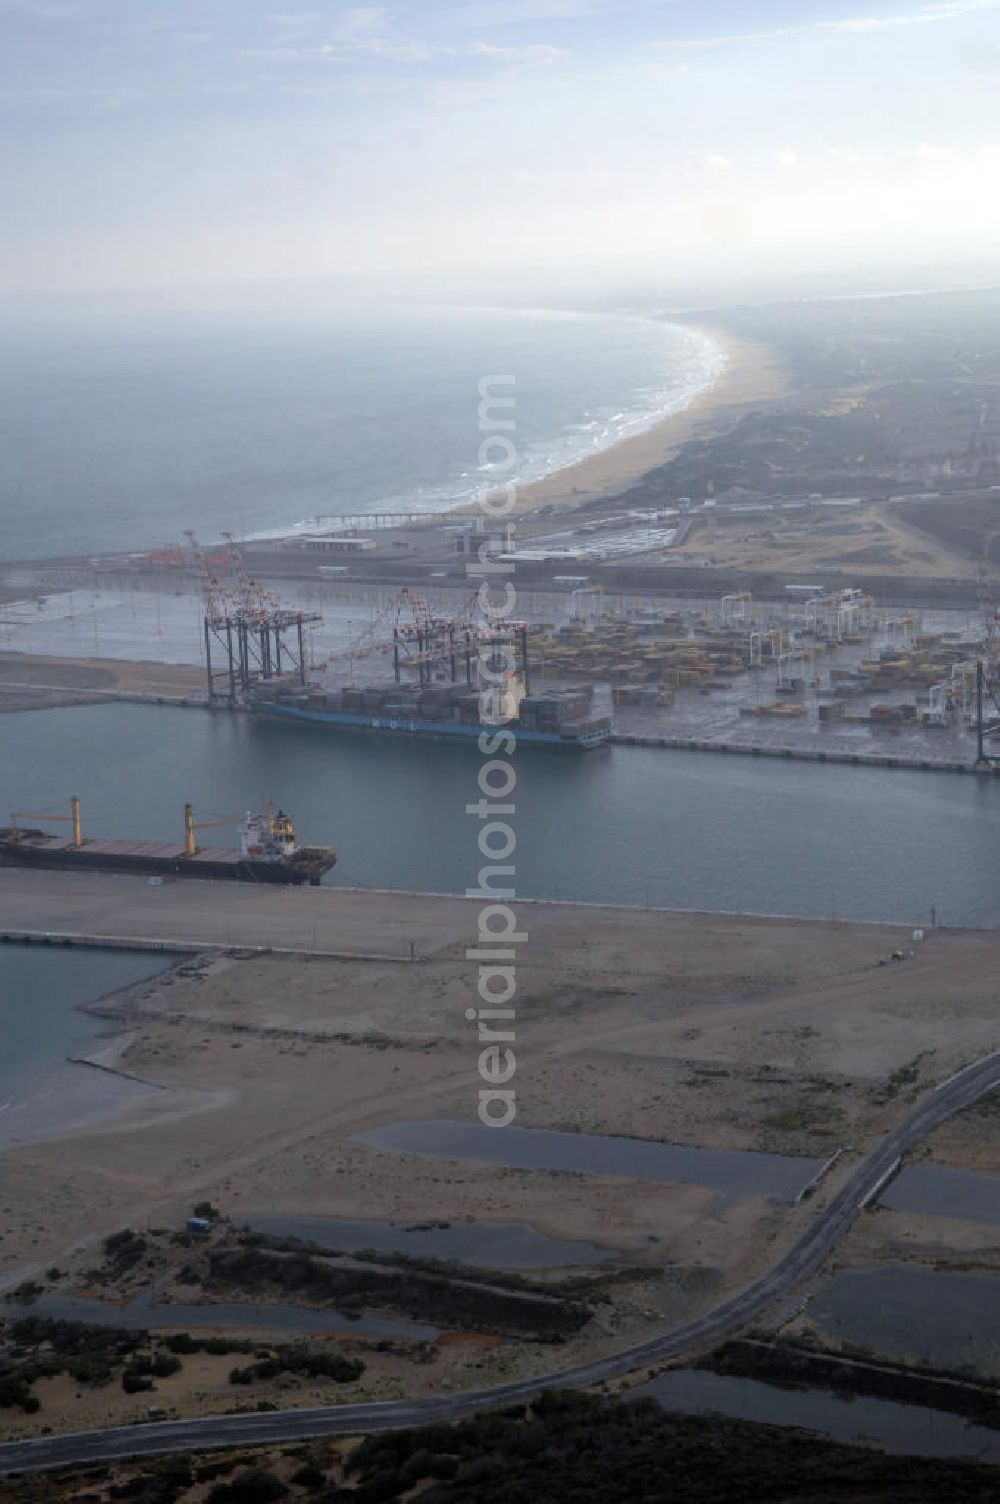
column 114, row 911
column 49, row 907
column 804, row 754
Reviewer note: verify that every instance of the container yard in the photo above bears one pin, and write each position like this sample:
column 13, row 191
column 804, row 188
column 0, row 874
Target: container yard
column 828, row 671
column 821, row 672
column 815, row 671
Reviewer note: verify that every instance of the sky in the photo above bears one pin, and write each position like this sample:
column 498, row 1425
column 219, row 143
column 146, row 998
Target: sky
column 147, row 144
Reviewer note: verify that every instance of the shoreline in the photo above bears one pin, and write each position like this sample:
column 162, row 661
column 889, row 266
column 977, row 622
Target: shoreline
column 81, row 1096
column 75, row 1095
column 88, row 1091
column 750, row 374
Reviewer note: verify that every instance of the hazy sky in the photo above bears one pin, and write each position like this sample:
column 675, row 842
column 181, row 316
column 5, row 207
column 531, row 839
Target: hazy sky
column 147, row 144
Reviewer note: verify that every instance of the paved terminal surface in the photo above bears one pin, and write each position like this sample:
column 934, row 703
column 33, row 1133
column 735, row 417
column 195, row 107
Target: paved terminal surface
column 190, row 914
column 803, row 1259
column 199, row 914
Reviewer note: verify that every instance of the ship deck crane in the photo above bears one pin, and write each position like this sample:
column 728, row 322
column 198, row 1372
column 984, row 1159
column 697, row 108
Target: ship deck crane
column 73, row 818
column 191, row 826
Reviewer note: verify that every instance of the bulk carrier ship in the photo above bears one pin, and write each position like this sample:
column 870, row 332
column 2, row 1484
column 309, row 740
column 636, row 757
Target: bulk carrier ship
column 268, row 852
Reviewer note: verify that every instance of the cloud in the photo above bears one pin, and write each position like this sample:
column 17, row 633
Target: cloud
column 715, row 162
column 83, row 22
column 377, row 49
column 364, row 34
column 361, row 21
column 38, row 10
column 105, row 99
column 514, row 12
column 924, row 15
column 297, row 23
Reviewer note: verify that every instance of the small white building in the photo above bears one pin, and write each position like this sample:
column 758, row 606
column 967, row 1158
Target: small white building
column 335, row 543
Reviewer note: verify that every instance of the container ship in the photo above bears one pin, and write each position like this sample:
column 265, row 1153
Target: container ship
column 438, row 665
column 563, row 719
column 267, row 853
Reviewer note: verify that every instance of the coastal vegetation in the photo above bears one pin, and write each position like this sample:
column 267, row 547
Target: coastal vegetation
column 568, row 1448
column 95, row 1356
column 470, row 1303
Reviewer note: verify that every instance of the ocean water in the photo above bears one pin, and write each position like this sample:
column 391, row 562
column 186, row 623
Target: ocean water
column 40, row 992
column 119, row 435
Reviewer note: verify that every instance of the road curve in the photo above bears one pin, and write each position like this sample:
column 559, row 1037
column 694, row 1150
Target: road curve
column 798, row 1264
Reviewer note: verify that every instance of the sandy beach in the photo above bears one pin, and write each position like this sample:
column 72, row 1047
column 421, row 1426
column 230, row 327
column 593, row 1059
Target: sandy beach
column 91, row 1087
column 89, row 1092
column 70, row 1097
column 751, row 376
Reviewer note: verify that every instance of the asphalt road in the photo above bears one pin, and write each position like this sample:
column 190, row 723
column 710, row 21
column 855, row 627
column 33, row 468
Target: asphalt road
column 725, row 1320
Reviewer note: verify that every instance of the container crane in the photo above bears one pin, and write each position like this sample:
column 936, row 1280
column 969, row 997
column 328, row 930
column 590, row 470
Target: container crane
column 214, row 593
column 258, row 638
column 432, row 645
column 250, row 596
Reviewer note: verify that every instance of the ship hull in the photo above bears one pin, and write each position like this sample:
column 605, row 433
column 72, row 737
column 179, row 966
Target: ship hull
column 342, row 720
column 227, row 866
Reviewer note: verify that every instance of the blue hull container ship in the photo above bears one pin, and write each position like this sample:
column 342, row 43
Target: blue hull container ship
column 438, row 663
column 434, row 693
column 539, row 723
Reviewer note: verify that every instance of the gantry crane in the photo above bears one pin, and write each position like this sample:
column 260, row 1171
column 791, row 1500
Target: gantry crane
column 433, row 645
column 258, row 637
column 988, row 666
column 987, row 713
column 251, row 597
column 216, row 597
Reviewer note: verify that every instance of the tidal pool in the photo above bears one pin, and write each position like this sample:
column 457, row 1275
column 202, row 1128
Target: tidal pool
column 734, row 1173
column 487, row 1245
column 938, row 1317
column 146, row 1311
column 886, row 1425
column 937, row 1191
